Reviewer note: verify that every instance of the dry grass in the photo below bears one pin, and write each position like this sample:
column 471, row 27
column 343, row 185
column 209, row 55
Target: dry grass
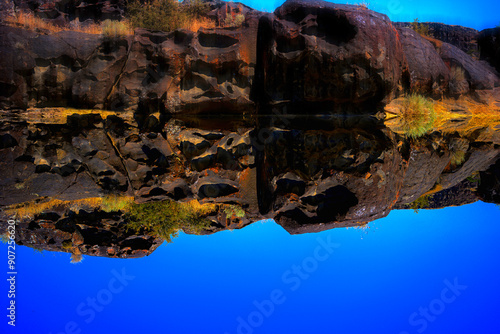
column 60, row 115
column 31, row 22
column 196, row 24
column 463, row 116
column 108, row 204
column 115, row 203
column 479, row 116
column 457, row 73
column 115, row 29
column 363, row 5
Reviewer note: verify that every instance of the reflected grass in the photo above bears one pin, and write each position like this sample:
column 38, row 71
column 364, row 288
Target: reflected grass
column 417, row 115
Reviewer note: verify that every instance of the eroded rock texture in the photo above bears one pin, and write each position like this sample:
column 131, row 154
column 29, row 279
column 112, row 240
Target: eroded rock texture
column 92, row 233
column 317, row 52
column 489, row 44
column 309, row 174
column 427, row 71
column 307, row 57
column 462, row 37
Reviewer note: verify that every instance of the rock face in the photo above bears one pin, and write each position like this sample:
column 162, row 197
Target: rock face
column 63, row 11
column 462, row 37
column 313, row 180
column 489, row 189
column 479, row 75
column 489, row 44
column 308, row 55
column 317, row 52
column 85, row 233
column 427, row 71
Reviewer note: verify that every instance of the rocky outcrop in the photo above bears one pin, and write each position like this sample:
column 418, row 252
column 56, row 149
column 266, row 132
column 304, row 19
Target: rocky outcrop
column 338, row 178
column 92, row 232
column 462, row 37
column 489, row 188
column 308, row 55
column 427, row 71
column 312, row 53
column 62, row 12
column 461, row 194
column 489, row 44
column 479, row 75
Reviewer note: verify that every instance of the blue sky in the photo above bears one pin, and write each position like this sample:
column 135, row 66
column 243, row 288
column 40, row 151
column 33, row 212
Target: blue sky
column 478, row 15
column 376, row 280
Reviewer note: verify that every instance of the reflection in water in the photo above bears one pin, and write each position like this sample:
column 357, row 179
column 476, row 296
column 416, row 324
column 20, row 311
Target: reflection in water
column 105, row 185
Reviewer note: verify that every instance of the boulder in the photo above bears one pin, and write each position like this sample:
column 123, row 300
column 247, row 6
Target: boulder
column 428, row 72
column 478, row 75
column 462, row 37
column 317, row 52
column 489, row 44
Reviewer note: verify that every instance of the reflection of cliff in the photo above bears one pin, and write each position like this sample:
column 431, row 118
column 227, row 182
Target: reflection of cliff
column 88, row 233
column 309, row 174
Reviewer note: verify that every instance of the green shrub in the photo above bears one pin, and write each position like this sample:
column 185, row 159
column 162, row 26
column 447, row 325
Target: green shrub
column 67, row 244
column 165, row 219
column 418, row 115
column 114, row 203
column 234, row 21
column 457, row 158
column 165, row 15
column 234, row 210
column 421, row 28
column 5, row 237
column 420, row 203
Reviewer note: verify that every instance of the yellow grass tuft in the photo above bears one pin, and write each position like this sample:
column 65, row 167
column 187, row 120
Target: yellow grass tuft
column 108, row 204
column 478, row 115
column 196, row 24
column 108, row 28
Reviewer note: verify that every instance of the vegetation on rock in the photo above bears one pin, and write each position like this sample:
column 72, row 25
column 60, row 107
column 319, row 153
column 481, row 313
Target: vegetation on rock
column 417, row 113
column 168, row 15
column 164, row 219
column 234, row 21
column 115, row 29
column 421, row 28
column 107, row 28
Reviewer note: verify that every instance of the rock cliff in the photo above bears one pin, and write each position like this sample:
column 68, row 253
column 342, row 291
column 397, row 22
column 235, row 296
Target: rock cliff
column 307, row 55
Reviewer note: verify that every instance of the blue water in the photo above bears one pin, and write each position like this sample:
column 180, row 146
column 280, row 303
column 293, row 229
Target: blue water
column 262, row 280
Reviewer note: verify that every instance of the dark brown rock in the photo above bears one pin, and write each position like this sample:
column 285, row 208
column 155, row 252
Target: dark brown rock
column 93, row 232
column 489, row 44
column 428, row 73
column 316, row 52
column 462, row 37
column 479, row 75
column 489, row 187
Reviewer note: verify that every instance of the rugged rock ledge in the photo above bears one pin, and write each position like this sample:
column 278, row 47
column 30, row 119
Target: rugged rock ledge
column 308, row 55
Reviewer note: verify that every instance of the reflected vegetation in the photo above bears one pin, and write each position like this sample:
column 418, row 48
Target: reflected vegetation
column 120, row 184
